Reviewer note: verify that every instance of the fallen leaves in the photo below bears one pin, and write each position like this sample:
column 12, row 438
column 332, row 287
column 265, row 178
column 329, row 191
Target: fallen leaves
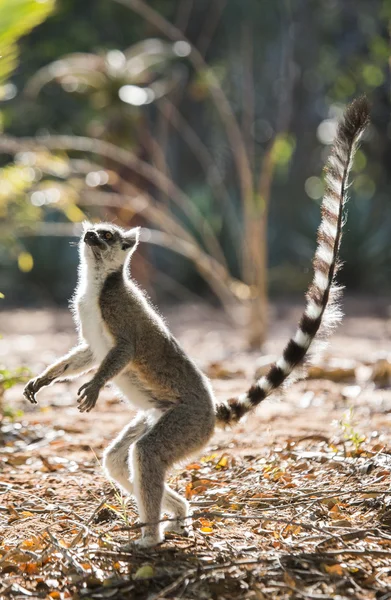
column 144, row 572
column 217, row 370
column 333, row 569
column 336, row 370
column 277, row 506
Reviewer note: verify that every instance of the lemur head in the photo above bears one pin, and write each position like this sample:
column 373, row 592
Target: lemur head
column 107, row 246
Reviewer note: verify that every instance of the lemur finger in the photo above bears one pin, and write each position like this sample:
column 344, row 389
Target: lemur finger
column 29, row 394
column 86, row 406
column 81, row 407
column 83, row 387
column 30, row 397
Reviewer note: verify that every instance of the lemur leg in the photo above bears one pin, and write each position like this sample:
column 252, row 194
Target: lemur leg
column 116, row 465
column 180, row 431
column 174, row 504
column 116, row 455
column 78, row 360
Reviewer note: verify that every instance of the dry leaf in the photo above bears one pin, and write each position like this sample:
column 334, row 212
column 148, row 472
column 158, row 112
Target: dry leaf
column 216, row 370
column 223, row 462
column 206, row 530
column 34, row 543
column 14, row 514
column 189, row 492
column 289, row 579
column 145, row 572
column 333, row 569
column 334, row 371
column 32, row 568
column 342, row 523
column 381, row 373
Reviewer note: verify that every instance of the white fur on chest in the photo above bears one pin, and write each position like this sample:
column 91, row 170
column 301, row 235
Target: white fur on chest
column 92, row 327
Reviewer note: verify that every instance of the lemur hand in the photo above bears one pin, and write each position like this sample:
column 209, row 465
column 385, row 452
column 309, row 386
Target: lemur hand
column 32, row 387
column 88, row 395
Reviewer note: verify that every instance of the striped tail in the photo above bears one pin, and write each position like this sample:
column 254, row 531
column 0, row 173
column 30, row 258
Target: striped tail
column 321, row 308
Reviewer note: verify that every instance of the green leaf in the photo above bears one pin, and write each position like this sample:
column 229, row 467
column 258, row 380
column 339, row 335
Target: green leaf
column 17, row 18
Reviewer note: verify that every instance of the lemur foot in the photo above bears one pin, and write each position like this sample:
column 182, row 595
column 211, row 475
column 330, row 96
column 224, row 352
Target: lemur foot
column 32, row 387
column 88, row 395
column 148, row 541
column 179, row 527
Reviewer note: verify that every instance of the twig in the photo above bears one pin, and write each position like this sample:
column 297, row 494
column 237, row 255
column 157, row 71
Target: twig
column 66, row 554
column 80, row 535
column 173, row 586
column 305, row 595
column 352, row 551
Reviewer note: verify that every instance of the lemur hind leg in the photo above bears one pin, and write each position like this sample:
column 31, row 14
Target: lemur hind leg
column 179, row 508
column 116, row 466
column 182, row 430
column 116, row 455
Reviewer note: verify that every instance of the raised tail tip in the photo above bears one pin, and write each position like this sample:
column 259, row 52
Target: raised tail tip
column 356, row 117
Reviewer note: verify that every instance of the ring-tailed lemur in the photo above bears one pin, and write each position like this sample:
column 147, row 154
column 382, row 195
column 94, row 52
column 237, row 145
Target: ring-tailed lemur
column 122, row 334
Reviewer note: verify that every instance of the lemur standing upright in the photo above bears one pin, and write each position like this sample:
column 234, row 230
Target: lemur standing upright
column 122, row 335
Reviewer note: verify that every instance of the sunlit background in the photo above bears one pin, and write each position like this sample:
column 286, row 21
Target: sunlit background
column 207, row 123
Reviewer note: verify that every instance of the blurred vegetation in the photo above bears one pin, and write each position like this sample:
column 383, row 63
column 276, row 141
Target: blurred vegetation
column 117, row 71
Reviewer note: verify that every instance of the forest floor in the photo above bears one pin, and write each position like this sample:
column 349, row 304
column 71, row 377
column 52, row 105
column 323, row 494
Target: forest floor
column 293, row 503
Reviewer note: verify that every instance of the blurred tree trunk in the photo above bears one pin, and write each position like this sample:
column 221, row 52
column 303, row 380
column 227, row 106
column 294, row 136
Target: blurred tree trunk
column 255, row 211
column 255, row 236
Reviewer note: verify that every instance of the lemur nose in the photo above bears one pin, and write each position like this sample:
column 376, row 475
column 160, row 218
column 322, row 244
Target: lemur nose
column 89, row 235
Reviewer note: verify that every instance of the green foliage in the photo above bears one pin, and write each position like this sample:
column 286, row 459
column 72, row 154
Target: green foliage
column 283, row 148
column 11, row 413
column 117, row 84
column 350, row 432
column 17, row 18
column 10, row 378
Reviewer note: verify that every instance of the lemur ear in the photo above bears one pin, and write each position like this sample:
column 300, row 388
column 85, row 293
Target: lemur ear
column 131, row 238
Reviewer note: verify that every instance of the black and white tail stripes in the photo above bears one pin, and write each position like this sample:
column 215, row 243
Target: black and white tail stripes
column 320, row 308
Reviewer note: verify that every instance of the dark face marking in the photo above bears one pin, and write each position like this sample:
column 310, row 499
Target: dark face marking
column 91, row 238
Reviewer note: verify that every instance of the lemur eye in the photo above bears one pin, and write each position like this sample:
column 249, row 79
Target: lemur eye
column 108, row 235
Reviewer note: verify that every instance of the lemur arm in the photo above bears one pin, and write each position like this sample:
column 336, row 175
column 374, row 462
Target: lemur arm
column 76, row 361
column 113, row 363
